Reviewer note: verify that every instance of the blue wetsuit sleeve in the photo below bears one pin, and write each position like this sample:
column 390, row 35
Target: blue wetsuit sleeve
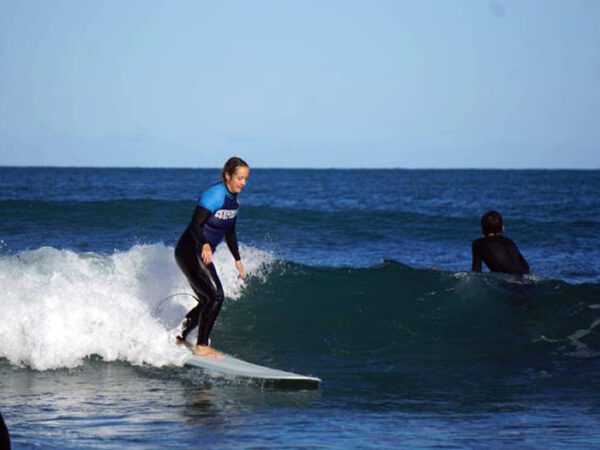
column 232, row 242
column 212, row 199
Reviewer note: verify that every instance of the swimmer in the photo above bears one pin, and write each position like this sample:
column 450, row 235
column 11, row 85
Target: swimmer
column 498, row 252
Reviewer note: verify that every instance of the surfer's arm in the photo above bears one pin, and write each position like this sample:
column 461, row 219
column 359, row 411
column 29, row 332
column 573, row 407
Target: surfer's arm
column 232, row 242
column 476, row 260
column 201, row 215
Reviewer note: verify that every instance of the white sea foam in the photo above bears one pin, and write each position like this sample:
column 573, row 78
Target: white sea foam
column 59, row 307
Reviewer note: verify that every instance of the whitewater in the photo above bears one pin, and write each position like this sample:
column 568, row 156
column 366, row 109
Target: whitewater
column 60, row 307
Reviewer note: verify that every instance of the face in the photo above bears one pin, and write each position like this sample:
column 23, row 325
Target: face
column 236, row 183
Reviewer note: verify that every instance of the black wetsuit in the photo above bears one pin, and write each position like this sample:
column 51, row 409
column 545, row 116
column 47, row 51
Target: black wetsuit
column 4, row 436
column 213, row 219
column 500, row 254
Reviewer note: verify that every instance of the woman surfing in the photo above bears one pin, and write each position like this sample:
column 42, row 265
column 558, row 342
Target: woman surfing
column 214, row 219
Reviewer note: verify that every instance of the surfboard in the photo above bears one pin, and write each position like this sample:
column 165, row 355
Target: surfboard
column 230, row 366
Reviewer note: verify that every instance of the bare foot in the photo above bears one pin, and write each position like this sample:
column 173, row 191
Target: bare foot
column 205, row 350
column 180, row 341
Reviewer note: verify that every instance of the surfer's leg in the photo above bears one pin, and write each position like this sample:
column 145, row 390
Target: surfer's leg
column 206, row 285
column 193, row 317
column 211, row 310
column 188, row 261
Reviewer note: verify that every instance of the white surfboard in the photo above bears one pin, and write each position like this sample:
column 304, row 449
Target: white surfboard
column 230, row 366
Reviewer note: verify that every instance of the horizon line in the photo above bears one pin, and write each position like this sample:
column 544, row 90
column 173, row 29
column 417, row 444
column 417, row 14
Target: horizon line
column 296, row 168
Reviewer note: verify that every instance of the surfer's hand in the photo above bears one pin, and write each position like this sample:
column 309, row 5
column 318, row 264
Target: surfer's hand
column 206, row 254
column 240, row 267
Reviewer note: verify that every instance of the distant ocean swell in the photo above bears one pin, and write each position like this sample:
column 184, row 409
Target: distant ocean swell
column 123, row 213
column 61, row 307
column 93, row 223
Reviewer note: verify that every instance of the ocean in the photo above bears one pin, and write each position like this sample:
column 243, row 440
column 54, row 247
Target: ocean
column 359, row 277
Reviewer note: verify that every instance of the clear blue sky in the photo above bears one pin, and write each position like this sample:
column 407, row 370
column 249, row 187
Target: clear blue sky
column 325, row 83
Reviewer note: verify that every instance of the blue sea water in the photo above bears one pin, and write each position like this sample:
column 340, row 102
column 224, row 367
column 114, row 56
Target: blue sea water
column 360, row 277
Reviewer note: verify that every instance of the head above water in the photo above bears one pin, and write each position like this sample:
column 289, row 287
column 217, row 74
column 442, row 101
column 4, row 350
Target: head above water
column 491, row 223
column 235, row 174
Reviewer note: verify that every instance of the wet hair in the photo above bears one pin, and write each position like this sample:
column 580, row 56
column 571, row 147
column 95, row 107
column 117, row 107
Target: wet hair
column 233, row 164
column 491, row 222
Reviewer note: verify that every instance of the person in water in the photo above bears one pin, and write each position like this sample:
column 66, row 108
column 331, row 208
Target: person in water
column 499, row 253
column 214, row 219
column 4, row 436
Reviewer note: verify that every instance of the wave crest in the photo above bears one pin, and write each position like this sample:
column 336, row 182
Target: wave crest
column 59, row 306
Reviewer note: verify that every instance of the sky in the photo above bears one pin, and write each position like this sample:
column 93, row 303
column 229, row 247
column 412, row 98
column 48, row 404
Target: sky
column 301, row 84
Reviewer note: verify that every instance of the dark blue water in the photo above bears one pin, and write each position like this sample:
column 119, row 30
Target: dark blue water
column 359, row 277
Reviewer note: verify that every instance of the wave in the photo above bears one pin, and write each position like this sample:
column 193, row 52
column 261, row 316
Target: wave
column 392, row 314
column 60, row 307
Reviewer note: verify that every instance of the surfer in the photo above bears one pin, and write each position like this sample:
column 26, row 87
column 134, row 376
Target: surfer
column 214, row 219
column 499, row 253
